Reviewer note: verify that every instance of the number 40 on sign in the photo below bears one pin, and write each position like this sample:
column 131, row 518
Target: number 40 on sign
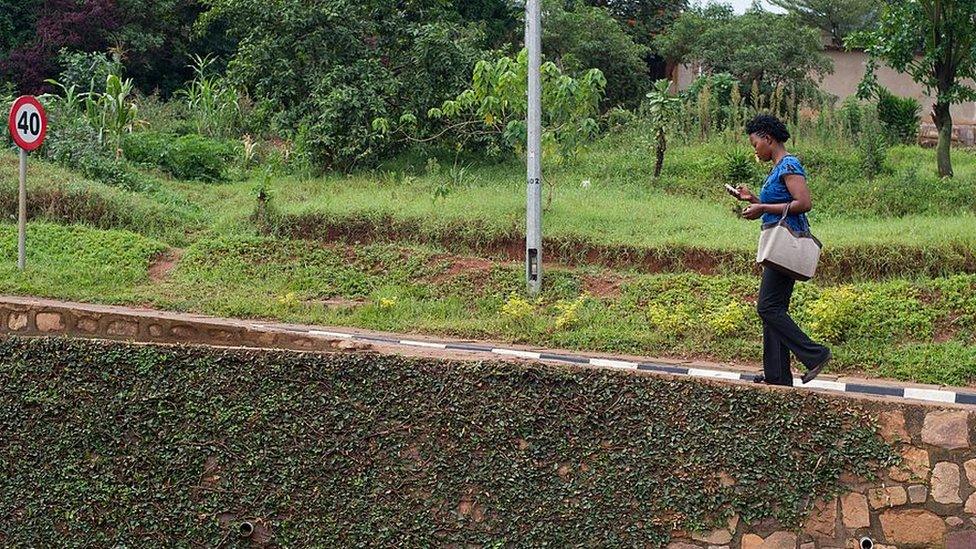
column 28, row 126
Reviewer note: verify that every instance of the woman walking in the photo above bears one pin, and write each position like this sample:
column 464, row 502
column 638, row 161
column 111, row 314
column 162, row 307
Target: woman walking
column 785, row 193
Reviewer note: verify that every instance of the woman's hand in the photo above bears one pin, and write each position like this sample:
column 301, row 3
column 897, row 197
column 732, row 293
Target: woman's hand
column 746, row 195
column 754, row 211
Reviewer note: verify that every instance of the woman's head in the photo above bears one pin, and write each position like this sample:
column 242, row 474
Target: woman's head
column 766, row 132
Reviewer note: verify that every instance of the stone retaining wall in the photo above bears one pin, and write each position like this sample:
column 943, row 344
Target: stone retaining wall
column 929, row 500
column 37, row 317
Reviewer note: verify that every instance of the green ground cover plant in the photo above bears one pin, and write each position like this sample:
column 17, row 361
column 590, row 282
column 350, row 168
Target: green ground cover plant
column 116, row 444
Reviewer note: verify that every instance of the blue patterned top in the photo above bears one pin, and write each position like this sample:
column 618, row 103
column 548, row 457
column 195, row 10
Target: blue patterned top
column 775, row 191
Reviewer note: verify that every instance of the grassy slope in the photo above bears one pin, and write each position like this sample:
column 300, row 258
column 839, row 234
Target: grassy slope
column 909, row 330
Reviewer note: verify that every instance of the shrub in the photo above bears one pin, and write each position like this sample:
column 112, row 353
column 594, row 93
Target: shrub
column 617, row 118
column 833, row 314
column 147, row 148
column 851, row 116
column 740, row 166
column 898, row 116
column 191, row 157
column 87, row 71
column 874, row 149
column 198, row 158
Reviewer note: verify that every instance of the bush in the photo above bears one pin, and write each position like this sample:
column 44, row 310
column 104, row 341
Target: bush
column 196, row 157
column 874, row 149
column 115, row 172
column 148, row 148
column 74, row 144
column 898, row 116
column 850, row 117
column 191, row 157
column 349, row 63
column 587, row 37
column 740, row 166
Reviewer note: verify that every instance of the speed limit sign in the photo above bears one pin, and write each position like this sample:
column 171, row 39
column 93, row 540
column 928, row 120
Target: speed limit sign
column 28, row 126
column 28, row 123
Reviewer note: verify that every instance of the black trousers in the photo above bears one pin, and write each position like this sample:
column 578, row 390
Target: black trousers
column 781, row 335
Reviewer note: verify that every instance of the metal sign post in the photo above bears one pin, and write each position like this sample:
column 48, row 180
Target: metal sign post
column 22, row 213
column 28, row 126
column 533, row 208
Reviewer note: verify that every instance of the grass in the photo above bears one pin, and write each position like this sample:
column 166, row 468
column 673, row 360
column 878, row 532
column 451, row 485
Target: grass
column 892, row 297
column 76, row 262
column 605, row 206
column 911, row 330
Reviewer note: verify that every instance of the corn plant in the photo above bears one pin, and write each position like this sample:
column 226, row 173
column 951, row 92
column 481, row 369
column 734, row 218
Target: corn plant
column 112, row 114
column 214, row 103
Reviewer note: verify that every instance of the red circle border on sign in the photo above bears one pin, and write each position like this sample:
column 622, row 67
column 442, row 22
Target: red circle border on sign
column 12, row 123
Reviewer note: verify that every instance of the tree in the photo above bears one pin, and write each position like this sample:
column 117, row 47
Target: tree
column 838, row 18
column 757, row 46
column 589, row 38
column 158, row 39
column 644, row 19
column 329, row 68
column 662, row 108
column 934, row 41
column 80, row 25
column 500, row 19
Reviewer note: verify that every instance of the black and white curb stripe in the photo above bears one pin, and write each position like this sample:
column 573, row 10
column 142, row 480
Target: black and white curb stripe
column 913, row 393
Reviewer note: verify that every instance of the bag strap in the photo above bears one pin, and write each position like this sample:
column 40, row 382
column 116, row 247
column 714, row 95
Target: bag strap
column 786, row 212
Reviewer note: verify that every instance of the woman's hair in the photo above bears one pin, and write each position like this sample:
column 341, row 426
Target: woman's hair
column 767, row 124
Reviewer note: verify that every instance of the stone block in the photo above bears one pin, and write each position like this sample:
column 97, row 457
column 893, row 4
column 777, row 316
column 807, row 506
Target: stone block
column 780, row 540
column 87, row 324
column 49, row 322
column 918, row 493
column 945, row 483
column 122, row 328
column 911, row 527
column 961, row 540
column 914, row 465
column 183, row 332
column 17, row 321
column 155, row 330
column 855, row 511
column 946, row 429
column 890, row 496
column 971, row 506
column 822, row 521
column 751, row 541
column 955, row 522
column 892, row 426
column 970, row 467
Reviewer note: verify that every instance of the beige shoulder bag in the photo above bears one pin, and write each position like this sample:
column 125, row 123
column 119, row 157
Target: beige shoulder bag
column 793, row 253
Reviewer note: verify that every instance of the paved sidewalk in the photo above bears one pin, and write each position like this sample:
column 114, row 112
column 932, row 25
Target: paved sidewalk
column 37, row 317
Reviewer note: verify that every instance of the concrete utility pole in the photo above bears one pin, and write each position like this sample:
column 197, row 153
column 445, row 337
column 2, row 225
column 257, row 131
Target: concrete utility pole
column 533, row 206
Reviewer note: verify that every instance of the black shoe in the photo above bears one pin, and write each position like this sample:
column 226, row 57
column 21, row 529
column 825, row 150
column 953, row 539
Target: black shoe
column 759, row 379
column 812, row 373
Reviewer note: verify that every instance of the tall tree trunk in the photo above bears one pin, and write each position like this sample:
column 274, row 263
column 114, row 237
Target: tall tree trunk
column 943, row 122
column 662, row 145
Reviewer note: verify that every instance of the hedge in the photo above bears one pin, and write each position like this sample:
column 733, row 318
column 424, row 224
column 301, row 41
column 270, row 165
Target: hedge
column 115, row 444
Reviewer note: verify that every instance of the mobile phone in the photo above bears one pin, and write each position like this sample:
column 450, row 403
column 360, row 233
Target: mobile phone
column 733, row 191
